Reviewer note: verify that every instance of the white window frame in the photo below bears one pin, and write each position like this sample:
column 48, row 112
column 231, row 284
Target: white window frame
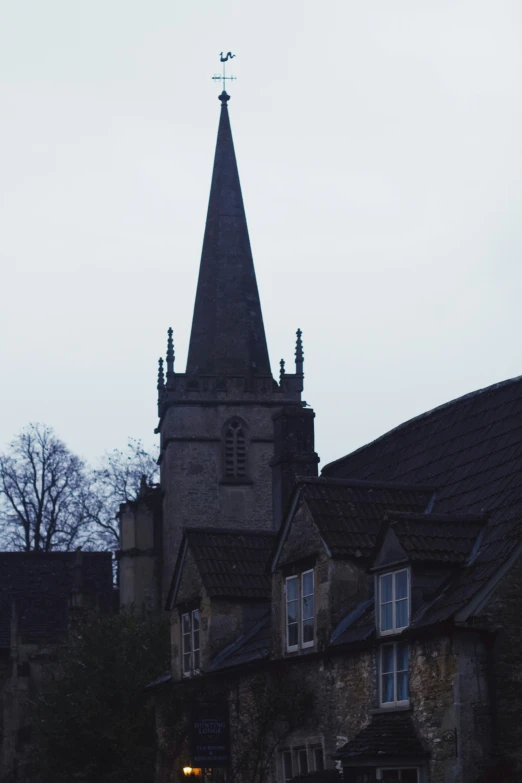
column 192, row 643
column 394, row 629
column 300, row 618
column 300, row 753
column 381, row 770
column 301, row 603
column 395, row 671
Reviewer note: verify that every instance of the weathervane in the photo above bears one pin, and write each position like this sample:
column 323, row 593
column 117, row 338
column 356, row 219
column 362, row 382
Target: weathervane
column 223, row 77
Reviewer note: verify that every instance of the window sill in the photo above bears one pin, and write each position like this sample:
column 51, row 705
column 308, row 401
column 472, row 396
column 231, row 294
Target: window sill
column 392, row 708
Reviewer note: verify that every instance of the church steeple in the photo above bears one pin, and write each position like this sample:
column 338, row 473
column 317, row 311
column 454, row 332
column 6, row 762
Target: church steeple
column 228, row 335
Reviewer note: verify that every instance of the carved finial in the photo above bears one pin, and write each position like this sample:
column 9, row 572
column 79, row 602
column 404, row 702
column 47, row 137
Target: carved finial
column 299, row 355
column 282, row 370
column 161, row 375
column 170, row 354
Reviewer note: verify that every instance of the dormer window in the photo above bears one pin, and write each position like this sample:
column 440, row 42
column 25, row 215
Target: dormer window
column 190, row 642
column 235, row 450
column 394, row 601
column 300, row 620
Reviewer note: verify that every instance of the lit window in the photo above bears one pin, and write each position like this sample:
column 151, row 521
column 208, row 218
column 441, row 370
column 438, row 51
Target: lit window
column 190, row 642
column 235, row 451
column 286, row 760
column 394, row 674
column 394, row 601
column 300, row 611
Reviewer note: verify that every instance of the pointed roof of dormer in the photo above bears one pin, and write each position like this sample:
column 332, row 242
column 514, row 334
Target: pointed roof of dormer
column 228, row 335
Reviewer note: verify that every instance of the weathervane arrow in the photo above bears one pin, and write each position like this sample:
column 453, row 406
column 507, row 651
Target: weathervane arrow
column 223, row 77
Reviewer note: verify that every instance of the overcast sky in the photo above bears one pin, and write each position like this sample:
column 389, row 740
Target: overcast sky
column 379, row 149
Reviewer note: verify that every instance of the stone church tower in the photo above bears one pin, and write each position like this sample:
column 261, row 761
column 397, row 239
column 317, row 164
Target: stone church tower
column 220, row 464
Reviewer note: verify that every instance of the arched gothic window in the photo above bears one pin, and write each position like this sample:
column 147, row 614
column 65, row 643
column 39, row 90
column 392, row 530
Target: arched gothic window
column 235, row 450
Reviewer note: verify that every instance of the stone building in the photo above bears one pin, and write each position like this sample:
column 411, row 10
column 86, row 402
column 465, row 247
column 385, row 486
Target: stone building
column 365, row 621
column 40, row 592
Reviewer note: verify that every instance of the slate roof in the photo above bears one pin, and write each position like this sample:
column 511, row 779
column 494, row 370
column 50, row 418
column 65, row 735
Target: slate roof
column 252, row 646
column 227, row 336
column 387, row 734
column 39, row 585
column 232, row 563
column 437, row 538
column 357, row 626
column 471, row 450
column 349, row 513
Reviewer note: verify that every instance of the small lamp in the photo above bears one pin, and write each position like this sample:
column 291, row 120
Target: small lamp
column 187, row 771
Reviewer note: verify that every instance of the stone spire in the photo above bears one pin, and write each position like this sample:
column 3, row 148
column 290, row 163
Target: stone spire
column 170, row 354
column 228, row 335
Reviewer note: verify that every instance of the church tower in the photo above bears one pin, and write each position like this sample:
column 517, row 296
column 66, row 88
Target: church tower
column 217, row 419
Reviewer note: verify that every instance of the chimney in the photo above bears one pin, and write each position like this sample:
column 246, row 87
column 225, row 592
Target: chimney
column 294, row 454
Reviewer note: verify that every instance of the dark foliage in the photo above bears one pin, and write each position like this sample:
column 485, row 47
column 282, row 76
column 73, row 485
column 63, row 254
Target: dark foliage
column 95, row 721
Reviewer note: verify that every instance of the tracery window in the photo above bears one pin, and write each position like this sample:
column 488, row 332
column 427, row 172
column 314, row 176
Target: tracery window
column 235, row 450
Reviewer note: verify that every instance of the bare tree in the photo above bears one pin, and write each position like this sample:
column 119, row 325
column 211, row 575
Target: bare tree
column 117, row 479
column 42, row 491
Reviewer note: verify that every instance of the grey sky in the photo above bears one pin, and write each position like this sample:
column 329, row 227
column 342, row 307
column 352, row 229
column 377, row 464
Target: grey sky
column 379, row 151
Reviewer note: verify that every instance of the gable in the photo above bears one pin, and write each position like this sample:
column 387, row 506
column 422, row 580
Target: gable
column 190, row 586
column 303, row 538
column 390, row 550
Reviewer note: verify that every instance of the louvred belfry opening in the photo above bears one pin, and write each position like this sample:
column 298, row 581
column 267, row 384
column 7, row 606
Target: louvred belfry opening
column 235, row 451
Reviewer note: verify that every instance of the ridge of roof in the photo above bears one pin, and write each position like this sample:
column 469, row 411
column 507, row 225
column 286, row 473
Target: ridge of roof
column 363, row 483
column 232, row 531
column 422, row 416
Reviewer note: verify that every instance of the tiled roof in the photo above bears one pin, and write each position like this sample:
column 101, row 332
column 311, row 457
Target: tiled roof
column 349, row 513
column 232, row 563
column 39, row 585
column 471, row 450
column 252, row 646
column 440, row 538
column 387, row 734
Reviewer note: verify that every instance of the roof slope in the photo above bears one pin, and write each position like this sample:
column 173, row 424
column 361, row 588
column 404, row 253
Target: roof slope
column 437, row 538
column 251, row 646
column 232, row 563
column 349, row 514
column 39, row 586
column 390, row 734
column 228, row 335
column 471, row 450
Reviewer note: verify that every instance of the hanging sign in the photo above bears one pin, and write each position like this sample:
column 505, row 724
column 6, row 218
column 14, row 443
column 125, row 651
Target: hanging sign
column 210, row 736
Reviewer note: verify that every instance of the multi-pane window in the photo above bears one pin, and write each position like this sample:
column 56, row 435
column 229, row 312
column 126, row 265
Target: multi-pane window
column 235, row 451
column 408, row 774
column 394, row 601
column 302, row 761
column 190, row 642
column 300, row 610
column 318, row 758
column 394, row 674
column 286, row 760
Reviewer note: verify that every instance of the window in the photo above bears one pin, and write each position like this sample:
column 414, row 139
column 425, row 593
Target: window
column 190, row 642
column 235, row 451
column 318, row 758
column 302, row 761
column 407, row 774
column 286, row 759
column 394, row 601
column 300, row 610
column 394, row 674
